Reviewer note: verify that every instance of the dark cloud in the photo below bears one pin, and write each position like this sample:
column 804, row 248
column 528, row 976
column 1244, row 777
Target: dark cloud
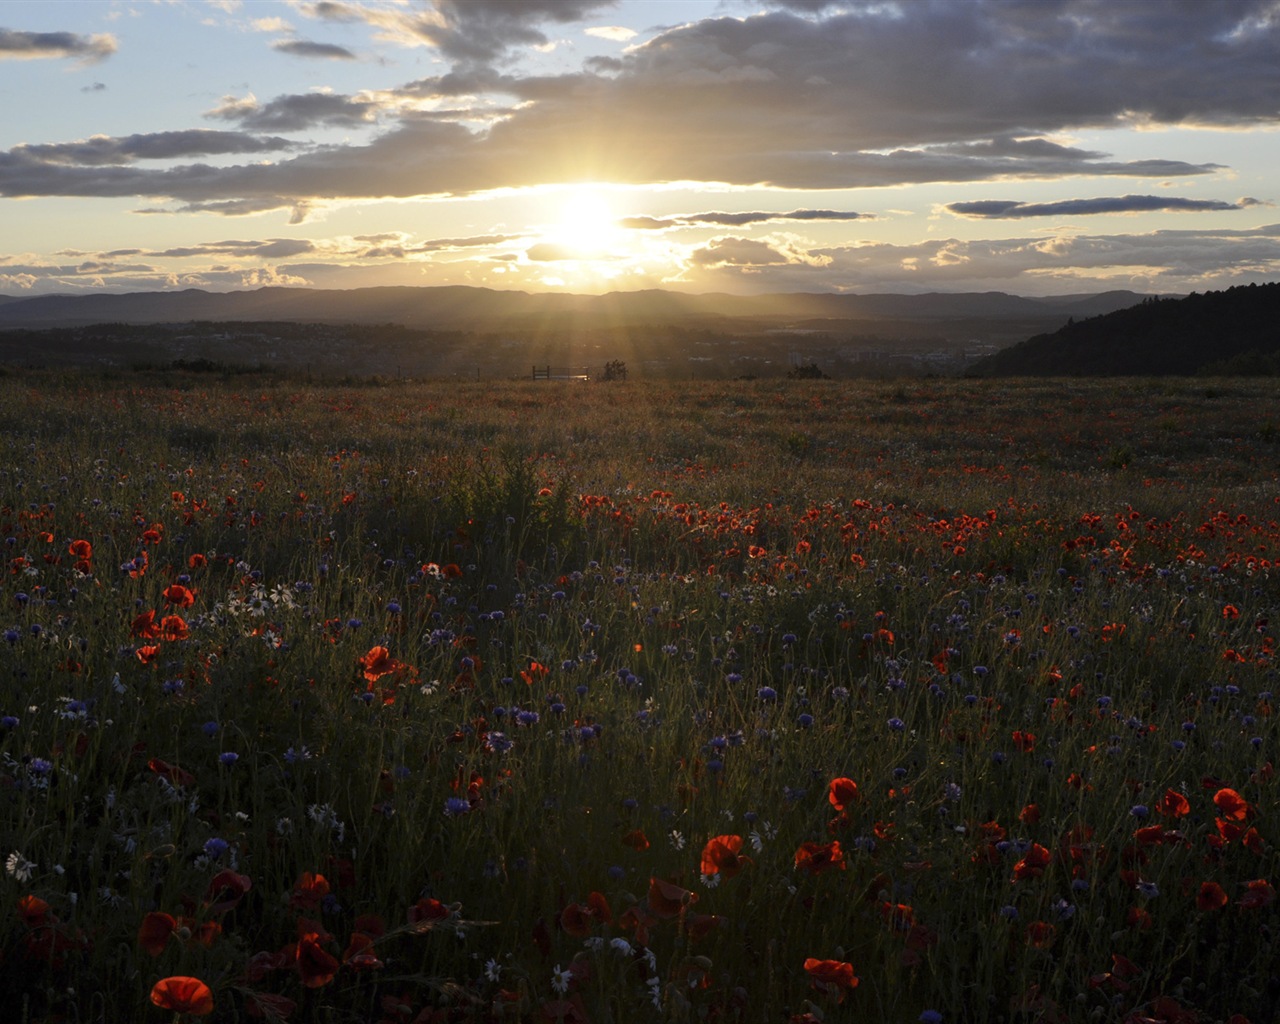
column 1010, row 209
column 850, row 95
column 104, row 150
column 270, row 248
column 95, row 87
column 31, row 45
column 297, row 112
column 303, row 48
column 735, row 219
column 467, row 31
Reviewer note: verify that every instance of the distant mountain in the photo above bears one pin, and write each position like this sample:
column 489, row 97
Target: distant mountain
column 1228, row 332
column 459, row 307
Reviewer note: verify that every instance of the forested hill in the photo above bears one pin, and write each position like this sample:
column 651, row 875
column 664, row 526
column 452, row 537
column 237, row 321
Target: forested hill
column 1236, row 331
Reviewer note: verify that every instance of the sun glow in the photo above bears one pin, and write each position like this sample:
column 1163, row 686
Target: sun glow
column 587, row 225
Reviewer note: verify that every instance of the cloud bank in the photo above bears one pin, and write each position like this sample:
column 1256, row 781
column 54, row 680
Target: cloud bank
column 839, row 96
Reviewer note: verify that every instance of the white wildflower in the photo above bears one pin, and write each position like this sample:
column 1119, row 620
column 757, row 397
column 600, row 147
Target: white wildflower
column 560, row 979
column 712, row 880
column 677, row 839
column 621, row 946
column 18, row 867
column 492, row 969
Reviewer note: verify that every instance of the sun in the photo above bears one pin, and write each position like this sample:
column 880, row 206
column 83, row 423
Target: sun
column 586, row 224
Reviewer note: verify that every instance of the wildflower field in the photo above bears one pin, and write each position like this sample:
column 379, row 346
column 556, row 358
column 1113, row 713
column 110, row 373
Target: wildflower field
column 742, row 702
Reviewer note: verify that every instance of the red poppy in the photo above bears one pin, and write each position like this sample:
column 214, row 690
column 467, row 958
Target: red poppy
column 377, row 662
column 154, row 932
column 699, row 926
column 535, row 671
column 178, row 595
column 316, row 966
column 1211, row 897
column 196, row 561
column 183, row 995
column 174, row 627
column 636, row 839
column 81, row 549
column 144, row 626
column 1040, row 934
column 720, row 856
column 898, row 916
column 1024, row 741
column 225, row 891
column 178, row 776
column 1232, row 805
column 842, row 792
column 428, row 910
column 1173, row 804
column 359, row 952
column 309, row 891
column 579, row 919
column 1030, row 814
column 666, row 899
column 147, row 654
column 1138, row 917
column 818, row 857
column 1033, row 863
column 34, row 911
column 833, row 977
column 1259, row 893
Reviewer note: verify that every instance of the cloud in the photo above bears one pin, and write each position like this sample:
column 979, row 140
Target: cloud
column 1010, row 209
column 297, row 112
column 614, row 33
column 805, row 96
column 735, row 219
column 101, row 150
column 751, row 253
column 272, row 24
column 94, row 87
column 35, row 45
column 465, row 31
column 304, row 48
column 1167, row 261
column 270, row 248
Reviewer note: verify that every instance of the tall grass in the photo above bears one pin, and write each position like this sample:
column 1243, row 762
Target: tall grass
column 468, row 677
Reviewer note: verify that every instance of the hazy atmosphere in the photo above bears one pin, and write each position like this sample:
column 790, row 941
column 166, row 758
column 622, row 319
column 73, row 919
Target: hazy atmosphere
column 1045, row 147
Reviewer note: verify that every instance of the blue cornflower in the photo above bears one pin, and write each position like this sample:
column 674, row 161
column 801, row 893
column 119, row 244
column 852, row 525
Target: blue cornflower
column 455, row 806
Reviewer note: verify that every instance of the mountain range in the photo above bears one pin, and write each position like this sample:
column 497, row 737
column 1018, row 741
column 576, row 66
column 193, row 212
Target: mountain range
column 462, row 307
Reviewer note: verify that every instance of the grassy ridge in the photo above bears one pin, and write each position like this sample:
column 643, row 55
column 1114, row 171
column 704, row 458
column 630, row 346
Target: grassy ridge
column 530, row 701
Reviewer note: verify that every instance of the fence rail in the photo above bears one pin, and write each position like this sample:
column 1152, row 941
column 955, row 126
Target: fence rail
column 562, row 373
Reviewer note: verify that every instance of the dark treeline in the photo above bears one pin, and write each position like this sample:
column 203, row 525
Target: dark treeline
column 1231, row 332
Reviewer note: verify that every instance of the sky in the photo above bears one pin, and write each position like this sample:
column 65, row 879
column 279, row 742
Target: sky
column 1036, row 147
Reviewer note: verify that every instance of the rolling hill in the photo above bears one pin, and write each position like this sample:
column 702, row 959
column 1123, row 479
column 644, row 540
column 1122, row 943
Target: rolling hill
column 1228, row 332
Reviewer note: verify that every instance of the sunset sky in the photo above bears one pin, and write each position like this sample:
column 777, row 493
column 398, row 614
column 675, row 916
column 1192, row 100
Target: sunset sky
column 1031, row 146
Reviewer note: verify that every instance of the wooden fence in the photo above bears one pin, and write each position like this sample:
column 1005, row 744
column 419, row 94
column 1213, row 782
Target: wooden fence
column 562, row 373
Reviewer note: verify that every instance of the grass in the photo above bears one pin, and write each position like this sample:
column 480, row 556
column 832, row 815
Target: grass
column 427, row 701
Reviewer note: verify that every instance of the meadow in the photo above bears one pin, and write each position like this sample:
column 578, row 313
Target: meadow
column 774, row 701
